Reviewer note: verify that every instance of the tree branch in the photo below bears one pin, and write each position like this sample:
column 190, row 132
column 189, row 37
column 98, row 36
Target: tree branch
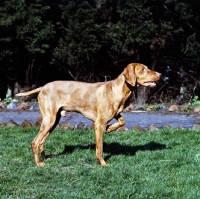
column 69, row 72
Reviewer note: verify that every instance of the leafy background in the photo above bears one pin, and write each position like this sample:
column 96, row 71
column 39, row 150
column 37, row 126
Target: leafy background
column 46, row 40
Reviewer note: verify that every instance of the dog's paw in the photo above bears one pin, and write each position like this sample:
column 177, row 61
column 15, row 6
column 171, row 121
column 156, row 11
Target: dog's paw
column 106, row 165
column 40, row 164
column 108, row 129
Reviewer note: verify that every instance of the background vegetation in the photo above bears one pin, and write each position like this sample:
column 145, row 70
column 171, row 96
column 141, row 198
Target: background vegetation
column 143, row 165
column 45, row 40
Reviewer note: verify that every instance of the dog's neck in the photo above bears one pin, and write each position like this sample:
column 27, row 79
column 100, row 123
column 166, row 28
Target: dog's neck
column 129, row 86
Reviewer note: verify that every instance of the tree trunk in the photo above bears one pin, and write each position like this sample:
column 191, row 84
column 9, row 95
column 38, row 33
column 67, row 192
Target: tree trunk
column 142, row 95
column 3, row 90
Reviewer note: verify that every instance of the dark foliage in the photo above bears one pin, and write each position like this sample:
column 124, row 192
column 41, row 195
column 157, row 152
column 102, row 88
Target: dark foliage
column 93, row 40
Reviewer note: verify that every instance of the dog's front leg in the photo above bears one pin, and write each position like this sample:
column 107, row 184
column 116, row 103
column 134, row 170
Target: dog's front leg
column 99, row 128
column 120, row 122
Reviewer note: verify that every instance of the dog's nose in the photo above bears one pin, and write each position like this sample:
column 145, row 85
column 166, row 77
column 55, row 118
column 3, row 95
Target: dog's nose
column 159, row 74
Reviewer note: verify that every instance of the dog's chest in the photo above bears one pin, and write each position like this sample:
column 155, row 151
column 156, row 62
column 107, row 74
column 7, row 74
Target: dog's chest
column 120, row 105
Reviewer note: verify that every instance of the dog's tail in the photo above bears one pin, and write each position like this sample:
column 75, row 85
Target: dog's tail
column 37, row 90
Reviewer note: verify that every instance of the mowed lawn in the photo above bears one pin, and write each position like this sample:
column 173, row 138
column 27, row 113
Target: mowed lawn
column 162, row 164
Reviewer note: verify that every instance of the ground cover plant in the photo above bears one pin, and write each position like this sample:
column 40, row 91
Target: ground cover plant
column 162, row 164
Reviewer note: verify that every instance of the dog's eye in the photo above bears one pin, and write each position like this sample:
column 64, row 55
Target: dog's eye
column 143, row 69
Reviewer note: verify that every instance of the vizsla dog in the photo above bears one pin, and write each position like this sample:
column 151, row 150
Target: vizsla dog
column 99, row 102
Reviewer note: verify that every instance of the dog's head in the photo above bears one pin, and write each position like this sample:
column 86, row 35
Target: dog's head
column 138, row 74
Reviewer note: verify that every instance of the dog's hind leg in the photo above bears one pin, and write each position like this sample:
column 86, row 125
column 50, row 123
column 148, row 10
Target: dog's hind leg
column 47, row 125
column 41, row 145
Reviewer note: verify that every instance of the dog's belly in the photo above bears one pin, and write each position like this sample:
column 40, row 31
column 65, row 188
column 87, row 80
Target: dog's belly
column 87, row 112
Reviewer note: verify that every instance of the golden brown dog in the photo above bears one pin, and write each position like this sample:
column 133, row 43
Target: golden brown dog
column 99, row 102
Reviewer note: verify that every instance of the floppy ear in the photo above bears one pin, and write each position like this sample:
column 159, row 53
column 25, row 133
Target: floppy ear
column 129, row 74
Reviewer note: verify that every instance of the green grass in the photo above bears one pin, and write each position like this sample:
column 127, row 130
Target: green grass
column 143, row 165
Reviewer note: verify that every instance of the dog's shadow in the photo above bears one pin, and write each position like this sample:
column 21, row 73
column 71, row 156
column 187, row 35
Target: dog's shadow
column 115, row 148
